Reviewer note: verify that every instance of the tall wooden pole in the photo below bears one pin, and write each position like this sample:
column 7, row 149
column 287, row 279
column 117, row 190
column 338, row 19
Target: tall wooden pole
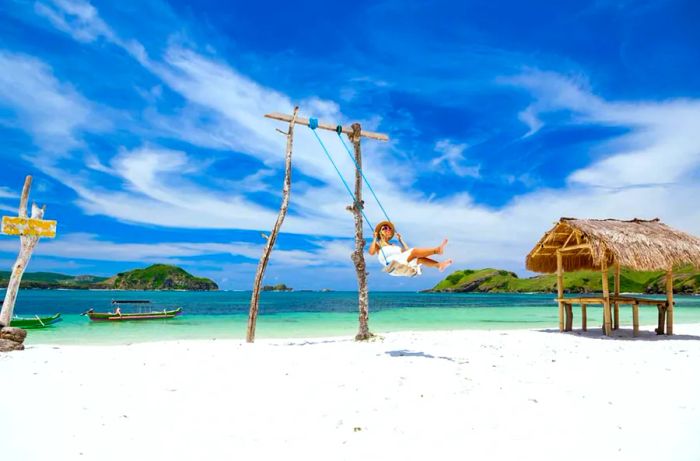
column 669, row 301
column 560, row 290
column 262, row 265
column 607, row 327
column 358, row 256
column 355, row 133
column 616, row 319
column 27, row 245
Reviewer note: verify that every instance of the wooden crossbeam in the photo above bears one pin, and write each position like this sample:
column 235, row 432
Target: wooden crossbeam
column 619, row 299
column 327, row 126
column 576, row 247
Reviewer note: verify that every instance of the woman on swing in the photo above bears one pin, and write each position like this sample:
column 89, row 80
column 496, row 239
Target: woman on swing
column 388, row 252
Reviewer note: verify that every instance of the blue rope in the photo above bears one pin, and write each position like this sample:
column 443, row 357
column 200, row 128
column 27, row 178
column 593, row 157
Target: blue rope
column 347, row 149
column 313, row 124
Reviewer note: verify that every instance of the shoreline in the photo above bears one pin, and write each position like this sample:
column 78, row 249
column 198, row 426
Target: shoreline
column 498, row 394
column 624, row 333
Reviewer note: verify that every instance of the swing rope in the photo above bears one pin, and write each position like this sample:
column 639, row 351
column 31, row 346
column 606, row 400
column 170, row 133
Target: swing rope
column 339, row 130
column 313, row 124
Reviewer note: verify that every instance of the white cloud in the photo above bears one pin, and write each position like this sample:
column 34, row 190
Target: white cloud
column 660, row 148
column 454, row 159
column 77, row 249
column 75, row 17
column 529, row 118
column 639, row 174
column 53, row 112
column 6, row 192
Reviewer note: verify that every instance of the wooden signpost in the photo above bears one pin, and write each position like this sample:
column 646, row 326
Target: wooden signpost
column 30, row 230
column 14, row 225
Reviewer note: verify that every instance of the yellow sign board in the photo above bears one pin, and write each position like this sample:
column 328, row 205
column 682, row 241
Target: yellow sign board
column 13, row 225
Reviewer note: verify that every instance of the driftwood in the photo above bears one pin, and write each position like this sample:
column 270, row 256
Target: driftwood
column 27, row 244
column 262, row 265
column 358, row 256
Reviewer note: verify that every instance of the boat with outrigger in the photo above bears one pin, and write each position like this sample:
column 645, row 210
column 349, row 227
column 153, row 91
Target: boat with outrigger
column 34, row 322
column 145, row 312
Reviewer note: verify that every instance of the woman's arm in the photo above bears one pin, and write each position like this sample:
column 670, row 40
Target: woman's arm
column 403, row 244
column 373, row 246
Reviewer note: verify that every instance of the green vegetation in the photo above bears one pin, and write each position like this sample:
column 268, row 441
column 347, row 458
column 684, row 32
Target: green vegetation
column 158, row 277
column 155, row 277
column 685, row 280
column 50, row 280
column 278, row 287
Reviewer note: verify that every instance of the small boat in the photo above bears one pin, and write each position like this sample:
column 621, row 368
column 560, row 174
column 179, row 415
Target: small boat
column 34, row 322
column 118, row 316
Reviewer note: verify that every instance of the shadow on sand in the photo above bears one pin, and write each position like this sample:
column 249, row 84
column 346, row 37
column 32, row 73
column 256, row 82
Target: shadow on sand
column 625, row 334
column 407, row 353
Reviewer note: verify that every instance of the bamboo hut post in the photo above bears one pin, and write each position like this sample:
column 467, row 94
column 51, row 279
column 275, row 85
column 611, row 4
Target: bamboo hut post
column 560, row 290
column 616, row 320
column 607, row 327
column 569, row 317
column 662, row 318
column 584, row 318
column 635, row 318
column 669, row 302
column 262, row 265
column 358, row 256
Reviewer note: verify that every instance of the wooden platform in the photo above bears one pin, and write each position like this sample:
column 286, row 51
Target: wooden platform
column 664, row 323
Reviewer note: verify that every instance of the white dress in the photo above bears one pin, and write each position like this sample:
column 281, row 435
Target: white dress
column 389, row 253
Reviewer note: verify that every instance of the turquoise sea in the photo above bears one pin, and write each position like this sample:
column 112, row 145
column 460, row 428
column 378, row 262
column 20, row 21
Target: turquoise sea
column 224, row 314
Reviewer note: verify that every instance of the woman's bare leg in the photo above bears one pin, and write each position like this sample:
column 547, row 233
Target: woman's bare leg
column 428, row 262
column 444, row 265
column 441, row 266
column 425, row 252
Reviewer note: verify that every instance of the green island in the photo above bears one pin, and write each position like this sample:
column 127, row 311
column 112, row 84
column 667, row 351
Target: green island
column 155, row 277
column 278, row 287
column 685, row 280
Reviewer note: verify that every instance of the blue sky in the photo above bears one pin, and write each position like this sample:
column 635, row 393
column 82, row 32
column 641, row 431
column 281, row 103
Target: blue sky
column 142, row 125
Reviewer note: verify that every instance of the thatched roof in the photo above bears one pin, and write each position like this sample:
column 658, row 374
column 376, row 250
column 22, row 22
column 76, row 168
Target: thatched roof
column 636, row 244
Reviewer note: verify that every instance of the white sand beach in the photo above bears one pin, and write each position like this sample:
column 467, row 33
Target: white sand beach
column 418, row 395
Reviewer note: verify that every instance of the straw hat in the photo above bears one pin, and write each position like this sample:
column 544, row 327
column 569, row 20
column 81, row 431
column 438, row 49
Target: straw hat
column 385, row 223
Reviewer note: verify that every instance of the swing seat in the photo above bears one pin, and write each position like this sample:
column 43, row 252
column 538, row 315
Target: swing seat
column 398, row 269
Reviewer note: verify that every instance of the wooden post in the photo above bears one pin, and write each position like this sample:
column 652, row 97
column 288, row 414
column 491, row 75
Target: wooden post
column 355, row 134
column 262, row 265
column 584, row 318
column 560, row 290
column 569, row 317
column 358, row 256
column 616, row 320
column 662, row 318
column 29, row 238
column 635, row 319
column 669, row 302
column 607, row 327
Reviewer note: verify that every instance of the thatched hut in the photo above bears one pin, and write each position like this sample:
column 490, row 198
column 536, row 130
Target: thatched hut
column 597, row 244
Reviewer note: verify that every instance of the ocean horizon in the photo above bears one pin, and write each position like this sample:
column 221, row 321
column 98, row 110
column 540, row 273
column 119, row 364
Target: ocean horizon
column 306, row 314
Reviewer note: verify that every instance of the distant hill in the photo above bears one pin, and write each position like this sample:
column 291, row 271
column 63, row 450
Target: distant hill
column 278, row 287
column 155, row 277
column 50, row 280
column 158, row 277
column 685, row 280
